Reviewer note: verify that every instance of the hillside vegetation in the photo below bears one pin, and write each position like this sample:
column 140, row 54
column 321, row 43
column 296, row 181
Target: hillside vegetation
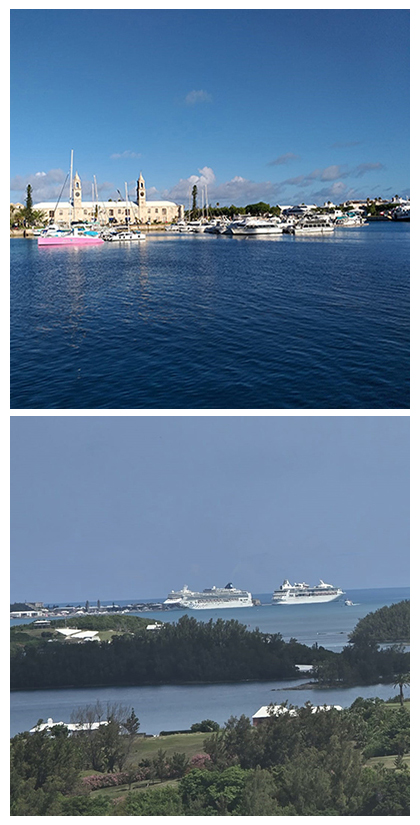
column 309, row 764
column 191, row 651
column 388, row 624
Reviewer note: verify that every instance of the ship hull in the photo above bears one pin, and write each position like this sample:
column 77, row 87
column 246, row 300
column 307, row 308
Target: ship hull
column 216, row 605
column 69, row 241
column 305, row 599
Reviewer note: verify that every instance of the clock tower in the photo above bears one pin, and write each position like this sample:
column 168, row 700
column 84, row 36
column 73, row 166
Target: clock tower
column 141, row 195
column 77, row 195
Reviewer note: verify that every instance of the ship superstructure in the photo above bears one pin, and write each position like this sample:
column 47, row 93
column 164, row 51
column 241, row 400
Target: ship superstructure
column 210, row 598
column 302, row 593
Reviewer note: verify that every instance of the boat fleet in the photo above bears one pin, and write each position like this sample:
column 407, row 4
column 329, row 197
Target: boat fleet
column 309, row 224
column 84, row 235
column 229, row 596
column 303, row 225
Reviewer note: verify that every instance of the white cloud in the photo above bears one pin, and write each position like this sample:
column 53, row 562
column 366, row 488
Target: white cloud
column 367, row 167
column 127, row 154
column 283, row 159
column 238, row 190
column 45, row 185
column 197, row 96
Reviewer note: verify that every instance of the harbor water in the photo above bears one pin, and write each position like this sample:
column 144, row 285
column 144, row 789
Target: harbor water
column 213, row 322
column 177, row 707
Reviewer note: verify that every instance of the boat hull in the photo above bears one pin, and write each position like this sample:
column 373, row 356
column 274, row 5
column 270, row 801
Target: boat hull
column 256, row 230
column 69, row 241
column 215, row 605
column 312, row 230
column 305, row 599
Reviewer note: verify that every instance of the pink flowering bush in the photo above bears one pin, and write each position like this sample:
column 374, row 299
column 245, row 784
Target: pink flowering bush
column 200, row 761
column 110, row 780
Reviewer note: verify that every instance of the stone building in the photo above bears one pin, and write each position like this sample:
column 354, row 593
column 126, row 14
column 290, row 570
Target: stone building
column 107, row 212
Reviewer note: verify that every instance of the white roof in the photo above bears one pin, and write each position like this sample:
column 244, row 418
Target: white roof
column 100, row 204
column 77, row 634
column 264, row 713
column 69, row 725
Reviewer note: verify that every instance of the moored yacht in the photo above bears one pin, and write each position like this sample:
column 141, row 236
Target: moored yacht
column 313, row 225
column 256, row 226
column 349, row 220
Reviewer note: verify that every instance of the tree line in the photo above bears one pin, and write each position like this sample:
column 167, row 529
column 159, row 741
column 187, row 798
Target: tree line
column 191, row 651
column 306, row 764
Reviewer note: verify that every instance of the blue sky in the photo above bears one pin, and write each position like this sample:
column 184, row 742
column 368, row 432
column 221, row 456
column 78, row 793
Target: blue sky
column 130, row 507
column 283, row 106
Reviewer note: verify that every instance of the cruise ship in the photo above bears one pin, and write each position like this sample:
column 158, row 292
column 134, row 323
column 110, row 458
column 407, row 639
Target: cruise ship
column 302, row 593
column 212, row 598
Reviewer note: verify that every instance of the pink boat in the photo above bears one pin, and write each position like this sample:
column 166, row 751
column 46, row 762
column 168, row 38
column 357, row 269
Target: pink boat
column 68, row 240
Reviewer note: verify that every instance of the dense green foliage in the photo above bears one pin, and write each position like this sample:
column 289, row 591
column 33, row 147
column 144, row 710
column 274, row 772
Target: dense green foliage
column 188, row 651
column 308, row 764
column 388, row 624
column 191, row 651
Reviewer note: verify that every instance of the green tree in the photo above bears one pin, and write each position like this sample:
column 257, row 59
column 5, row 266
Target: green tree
column 44, row 766
column 158, row 802
column 178, row 764
column 27, row 211
column 206, row 726
column 160, row 764
column 258, row 798
column 194, row 211
column 401, row 681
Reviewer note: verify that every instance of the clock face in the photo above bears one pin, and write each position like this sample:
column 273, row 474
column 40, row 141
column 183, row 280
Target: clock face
column 77, row 194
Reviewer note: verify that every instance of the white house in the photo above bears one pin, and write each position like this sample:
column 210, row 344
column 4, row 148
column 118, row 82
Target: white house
column 269, row 711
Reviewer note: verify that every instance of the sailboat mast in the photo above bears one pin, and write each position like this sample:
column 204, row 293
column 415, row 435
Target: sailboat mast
column 71, row 187
column 127, row 218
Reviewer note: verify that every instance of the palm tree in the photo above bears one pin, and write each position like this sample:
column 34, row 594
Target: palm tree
column 401, row 681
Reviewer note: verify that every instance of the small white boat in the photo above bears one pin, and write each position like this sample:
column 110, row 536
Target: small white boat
column 124, row 236
column 349, row 603
column 256, row 226
column 313, row 225
column 349, row 220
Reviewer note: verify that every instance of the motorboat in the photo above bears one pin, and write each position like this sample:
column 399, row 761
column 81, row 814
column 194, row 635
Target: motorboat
column 349, row 220
column 71, row 237
column 124, row 236
column 256, row 226
column 313, row 225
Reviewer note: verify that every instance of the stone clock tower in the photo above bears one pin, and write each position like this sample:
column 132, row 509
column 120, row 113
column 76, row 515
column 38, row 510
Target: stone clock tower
column 77, row 195
column 141, row 195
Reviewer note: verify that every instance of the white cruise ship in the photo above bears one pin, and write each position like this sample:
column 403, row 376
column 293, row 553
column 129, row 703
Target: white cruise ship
column 212, row 598
column 302, row 593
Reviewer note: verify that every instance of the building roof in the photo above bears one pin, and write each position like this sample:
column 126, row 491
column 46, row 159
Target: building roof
column 101, row 204
column 273, row 710
column 72, row 727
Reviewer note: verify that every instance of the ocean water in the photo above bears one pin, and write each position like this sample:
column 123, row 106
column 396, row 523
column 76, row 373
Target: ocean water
column 170, row 707
column 213, row 322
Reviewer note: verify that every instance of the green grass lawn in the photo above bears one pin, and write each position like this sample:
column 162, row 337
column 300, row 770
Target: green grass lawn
column 189, row 743
column 387, row 761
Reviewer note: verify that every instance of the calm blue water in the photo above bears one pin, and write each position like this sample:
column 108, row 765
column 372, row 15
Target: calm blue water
column 213, row 322
column 171, row 707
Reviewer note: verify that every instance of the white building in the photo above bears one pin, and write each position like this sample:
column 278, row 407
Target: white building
column 71, row 727
column 111, row 211
column 271, row 711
